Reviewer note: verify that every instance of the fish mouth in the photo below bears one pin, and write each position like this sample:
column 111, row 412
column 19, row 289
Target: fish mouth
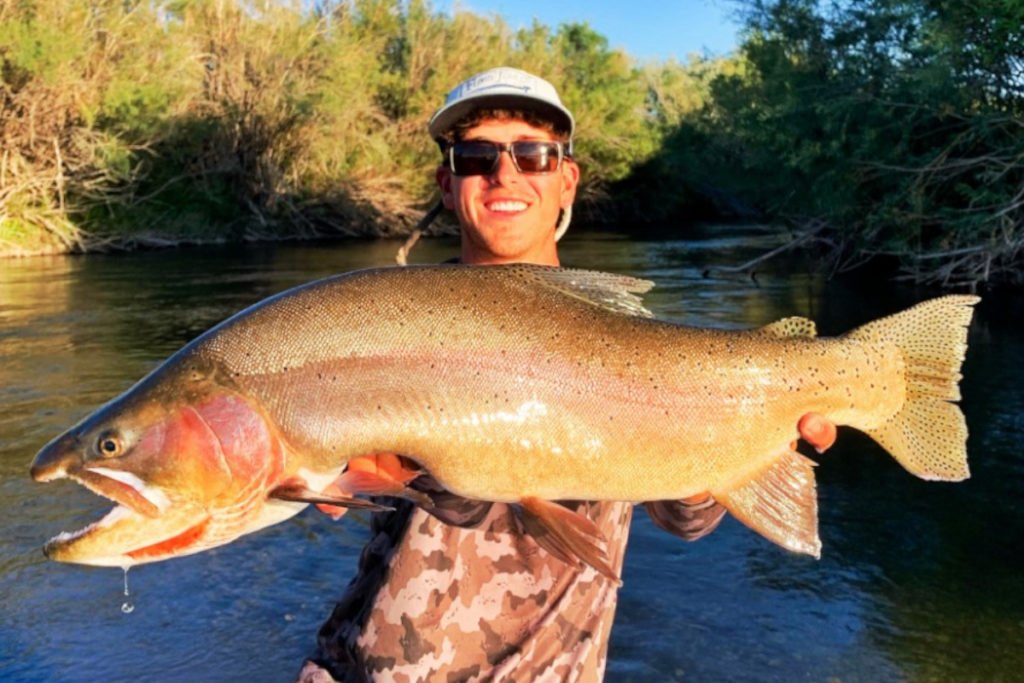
column 58, row 547
column 123, row 488
column 128, row 534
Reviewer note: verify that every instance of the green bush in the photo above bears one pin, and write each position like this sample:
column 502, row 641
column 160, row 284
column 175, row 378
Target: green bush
column 211, row 119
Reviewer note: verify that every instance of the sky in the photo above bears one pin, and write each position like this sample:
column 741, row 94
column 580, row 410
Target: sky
column 646, row 29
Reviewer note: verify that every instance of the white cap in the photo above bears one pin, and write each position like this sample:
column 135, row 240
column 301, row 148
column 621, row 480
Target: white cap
column 501, row 88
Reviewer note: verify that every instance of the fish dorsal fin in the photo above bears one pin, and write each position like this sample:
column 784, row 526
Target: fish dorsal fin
column 617, row 293
column 790, row 327
column 780, row 503
column 567, row 535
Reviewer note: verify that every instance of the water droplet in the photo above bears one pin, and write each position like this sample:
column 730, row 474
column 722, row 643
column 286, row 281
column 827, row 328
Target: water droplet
column 126, row 607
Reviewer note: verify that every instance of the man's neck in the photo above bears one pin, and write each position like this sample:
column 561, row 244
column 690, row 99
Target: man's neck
column 547, row 256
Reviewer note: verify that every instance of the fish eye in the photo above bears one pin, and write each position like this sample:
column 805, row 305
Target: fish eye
column 110, row 445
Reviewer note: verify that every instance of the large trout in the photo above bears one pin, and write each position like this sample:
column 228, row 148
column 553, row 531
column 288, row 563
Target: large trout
column 521, row 384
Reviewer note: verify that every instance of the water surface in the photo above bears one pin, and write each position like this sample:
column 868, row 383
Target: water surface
column 918, row 581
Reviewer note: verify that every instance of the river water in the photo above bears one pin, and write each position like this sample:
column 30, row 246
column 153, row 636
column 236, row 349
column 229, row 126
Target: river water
column 918, row 581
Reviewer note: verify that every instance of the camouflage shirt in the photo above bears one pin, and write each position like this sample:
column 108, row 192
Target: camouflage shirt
column 433, row 601
column 460, row 593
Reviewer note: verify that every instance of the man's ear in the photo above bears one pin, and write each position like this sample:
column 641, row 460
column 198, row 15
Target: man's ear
column 443, row 174
column 570, row 180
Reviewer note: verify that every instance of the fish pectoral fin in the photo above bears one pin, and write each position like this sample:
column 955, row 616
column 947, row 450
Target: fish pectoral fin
column 388, row 466
column 689, row 519
column 300, row 493
column 335, row 512
column 780, row 503
column 374, row 484
column 567, row 535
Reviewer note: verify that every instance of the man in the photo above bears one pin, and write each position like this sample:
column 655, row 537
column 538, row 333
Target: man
column 461, row 592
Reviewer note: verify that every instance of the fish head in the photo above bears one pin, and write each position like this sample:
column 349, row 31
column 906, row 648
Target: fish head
column 186, row 468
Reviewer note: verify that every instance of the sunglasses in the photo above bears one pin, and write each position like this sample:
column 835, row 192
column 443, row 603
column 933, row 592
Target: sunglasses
column 481, row 157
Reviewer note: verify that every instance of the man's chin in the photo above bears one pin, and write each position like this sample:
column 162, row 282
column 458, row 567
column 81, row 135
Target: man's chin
column 510, row 240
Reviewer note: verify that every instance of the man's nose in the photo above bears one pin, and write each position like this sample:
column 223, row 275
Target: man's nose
column 506, row 171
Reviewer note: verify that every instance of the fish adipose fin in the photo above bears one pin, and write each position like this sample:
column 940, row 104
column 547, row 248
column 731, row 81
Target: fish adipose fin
column 928, row 436
column 790, row 327
column 617, row 293
column 567, row 535
column 780, row 503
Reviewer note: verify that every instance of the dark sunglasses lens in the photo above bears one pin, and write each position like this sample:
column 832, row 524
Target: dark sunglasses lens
column 474, row 158
column 536, row 157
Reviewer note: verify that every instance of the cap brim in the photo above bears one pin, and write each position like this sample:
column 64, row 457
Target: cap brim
column 446, row 117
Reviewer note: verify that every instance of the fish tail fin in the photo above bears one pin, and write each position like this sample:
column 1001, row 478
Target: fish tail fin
column 928, row 435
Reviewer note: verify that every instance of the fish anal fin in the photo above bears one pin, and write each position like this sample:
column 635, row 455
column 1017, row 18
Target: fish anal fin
column 297, row 492
column 567, row 535
column 780, row 503
column 794, row 326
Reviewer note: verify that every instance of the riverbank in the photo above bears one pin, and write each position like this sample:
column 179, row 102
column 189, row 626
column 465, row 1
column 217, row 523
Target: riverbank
column 134, row 125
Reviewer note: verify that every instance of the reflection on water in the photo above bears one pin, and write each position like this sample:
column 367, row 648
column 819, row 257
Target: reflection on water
column 917, row 582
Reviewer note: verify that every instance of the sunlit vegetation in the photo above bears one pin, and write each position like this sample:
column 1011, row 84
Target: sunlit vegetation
column 160, row 122
column 882, row 131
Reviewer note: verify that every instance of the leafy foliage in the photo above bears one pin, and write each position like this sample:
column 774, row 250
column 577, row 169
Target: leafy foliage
column 220, row 119
column 891, row 126
column 877, row 128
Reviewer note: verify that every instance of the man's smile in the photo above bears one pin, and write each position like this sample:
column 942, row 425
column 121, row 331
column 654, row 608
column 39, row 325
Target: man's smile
column 506, row 206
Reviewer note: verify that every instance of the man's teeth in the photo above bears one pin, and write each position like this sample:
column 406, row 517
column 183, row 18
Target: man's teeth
column 509, row 206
